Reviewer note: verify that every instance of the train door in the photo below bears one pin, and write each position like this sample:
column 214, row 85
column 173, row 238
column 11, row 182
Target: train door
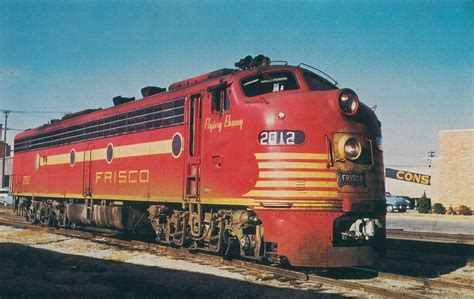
column 216, row 174
column 87, row 172
column 193, row 151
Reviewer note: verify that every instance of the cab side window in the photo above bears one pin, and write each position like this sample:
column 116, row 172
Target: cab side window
column 220, row 98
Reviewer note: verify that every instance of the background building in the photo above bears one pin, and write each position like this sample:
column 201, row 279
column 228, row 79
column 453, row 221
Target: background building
column 451, row 175
column 5, row 151
column 453, row 169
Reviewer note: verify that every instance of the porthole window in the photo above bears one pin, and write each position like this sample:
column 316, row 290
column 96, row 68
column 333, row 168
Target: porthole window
column 110, row 153
column 176, row 145
column 72, row 157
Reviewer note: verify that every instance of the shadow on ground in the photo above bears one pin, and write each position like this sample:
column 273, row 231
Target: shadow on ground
column 30, row 272
column 413, row 258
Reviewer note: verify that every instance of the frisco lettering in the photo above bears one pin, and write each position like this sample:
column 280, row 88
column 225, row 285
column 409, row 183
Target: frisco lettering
column 352, row 178
column 123, row 176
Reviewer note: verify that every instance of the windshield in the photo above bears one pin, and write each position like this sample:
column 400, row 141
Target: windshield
column 267, row 83
column 316, row 82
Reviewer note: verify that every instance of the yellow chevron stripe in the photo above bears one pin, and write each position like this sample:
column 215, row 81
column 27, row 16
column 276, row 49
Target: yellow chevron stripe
column 296, row 165
column 290, row 193
column 296, row 184
column 296, row 174
column 290, row 156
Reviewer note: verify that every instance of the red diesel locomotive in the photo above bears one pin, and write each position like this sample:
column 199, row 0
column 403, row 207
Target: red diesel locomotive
column 271, row 162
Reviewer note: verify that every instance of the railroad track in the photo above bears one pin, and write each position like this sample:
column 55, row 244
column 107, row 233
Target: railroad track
column 415, row 288
column 400, row 234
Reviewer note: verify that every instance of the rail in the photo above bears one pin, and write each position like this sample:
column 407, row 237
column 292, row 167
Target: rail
column 285, row 274
column 400, row 234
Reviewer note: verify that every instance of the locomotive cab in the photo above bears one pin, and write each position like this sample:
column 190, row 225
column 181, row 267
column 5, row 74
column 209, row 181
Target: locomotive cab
column 319, row 188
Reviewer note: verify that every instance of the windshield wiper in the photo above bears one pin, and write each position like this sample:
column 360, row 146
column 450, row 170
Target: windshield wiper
column 266, row 75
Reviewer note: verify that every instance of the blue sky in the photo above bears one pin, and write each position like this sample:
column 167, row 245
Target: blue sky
column 413, row 59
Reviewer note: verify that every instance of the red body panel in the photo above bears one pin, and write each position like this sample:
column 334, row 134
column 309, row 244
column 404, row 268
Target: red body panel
column 294, row 193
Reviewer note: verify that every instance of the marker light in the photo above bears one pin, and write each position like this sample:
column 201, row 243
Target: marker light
column 348, row 102
column 352, row 149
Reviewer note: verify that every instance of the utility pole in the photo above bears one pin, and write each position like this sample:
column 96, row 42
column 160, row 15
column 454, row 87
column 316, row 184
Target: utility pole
column 6, row 112
column 431, row 154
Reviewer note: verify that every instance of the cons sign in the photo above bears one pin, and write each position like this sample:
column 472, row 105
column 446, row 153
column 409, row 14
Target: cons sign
column 407, row 176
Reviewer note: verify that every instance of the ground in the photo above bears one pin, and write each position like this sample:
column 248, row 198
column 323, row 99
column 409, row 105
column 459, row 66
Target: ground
column 40, row 264
column 414, row 221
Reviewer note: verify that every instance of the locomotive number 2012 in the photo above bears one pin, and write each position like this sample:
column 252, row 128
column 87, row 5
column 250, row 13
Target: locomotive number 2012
column 281, row 137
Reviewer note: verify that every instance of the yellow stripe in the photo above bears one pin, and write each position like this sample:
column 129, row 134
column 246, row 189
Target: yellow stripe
column 290, row 193
column 215, row 201
column 57, row 159
column 124, row 151
column 299, row 204
column 296, row 174
column 296, row 165
column 97, row 154
column 295, row 184
column 335, row 205
column 289, row 156
column 143, row 149
column 305, row 208
column 300, row 201
column 228, row 201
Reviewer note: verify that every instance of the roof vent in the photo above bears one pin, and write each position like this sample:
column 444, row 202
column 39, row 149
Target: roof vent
column 83, row 112
column 151, row 90
column 118, row 100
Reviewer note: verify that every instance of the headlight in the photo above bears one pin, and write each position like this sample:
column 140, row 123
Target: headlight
column 352, row 149
column 348, row 102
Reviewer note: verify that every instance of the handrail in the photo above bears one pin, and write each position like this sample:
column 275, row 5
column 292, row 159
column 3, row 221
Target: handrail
column 329, row 152
column 371, row 153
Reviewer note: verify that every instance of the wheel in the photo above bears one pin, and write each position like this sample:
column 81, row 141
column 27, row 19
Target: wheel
column 389, row 208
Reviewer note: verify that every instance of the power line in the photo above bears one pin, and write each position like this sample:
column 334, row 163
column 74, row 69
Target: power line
column 13, row 129
column 34, row 112
column 404, row 155
column 393, row 165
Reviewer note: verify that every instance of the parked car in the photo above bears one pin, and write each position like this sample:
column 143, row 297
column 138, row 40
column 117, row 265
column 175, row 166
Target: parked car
column 4, row 196
column 396, row 203
column 408, row 201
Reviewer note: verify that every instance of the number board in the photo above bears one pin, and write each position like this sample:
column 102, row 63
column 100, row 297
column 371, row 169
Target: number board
column 283, row 137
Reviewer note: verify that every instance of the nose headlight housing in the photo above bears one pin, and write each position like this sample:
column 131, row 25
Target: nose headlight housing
column 348, row 102
column 352, row 149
